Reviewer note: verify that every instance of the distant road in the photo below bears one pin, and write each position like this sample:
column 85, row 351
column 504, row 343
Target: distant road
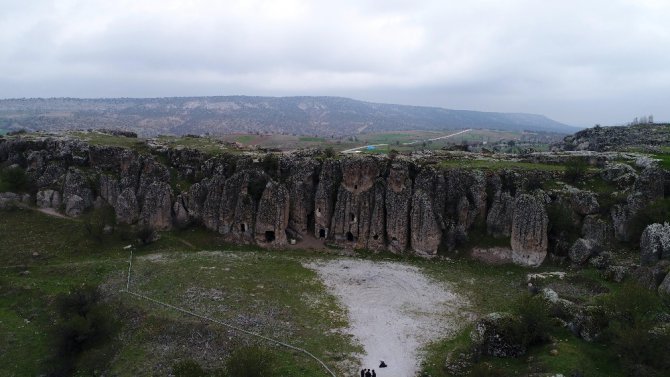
column 357, row 149
column 437, row 138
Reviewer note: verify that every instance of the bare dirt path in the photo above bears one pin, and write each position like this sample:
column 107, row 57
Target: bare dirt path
column 394, row 310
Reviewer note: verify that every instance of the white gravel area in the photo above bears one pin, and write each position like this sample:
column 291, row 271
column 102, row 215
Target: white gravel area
column 394, row 310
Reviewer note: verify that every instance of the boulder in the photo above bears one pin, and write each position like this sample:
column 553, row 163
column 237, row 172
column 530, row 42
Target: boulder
column 497, row 334
column 623, row 175
column 583, row 202
column 581, row 251
column 75, row 206
column 664, row 288
column 48, row 198
column 529, row 231
column 597, row 230
column 8, row 199
column 616, row 273
column 651, row 277
column 655, row 244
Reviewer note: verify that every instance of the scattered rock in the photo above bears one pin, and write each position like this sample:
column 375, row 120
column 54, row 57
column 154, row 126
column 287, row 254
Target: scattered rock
column 655, row 244
column 494, row 335
column 581, row 251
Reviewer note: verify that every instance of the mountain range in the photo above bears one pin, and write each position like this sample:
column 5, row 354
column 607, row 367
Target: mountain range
column 243, row 114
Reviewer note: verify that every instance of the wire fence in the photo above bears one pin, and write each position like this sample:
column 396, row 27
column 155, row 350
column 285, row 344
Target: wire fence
column 218, row 322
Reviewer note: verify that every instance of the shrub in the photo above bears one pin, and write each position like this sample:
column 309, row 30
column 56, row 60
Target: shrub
column 146, row 235
column 250, row 362
column 95, row 222
column 329, row 152
column 656, row 212
column 13, row 179
column 188, row 368
column 83, row 324
column 575, row 170
column 533, row 313
column 633, row 316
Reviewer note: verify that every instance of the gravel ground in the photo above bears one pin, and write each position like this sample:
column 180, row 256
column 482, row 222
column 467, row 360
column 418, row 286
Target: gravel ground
column 394, row 310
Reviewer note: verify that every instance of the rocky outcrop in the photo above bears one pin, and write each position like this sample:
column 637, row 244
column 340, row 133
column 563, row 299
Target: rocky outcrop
column 398, row 200
column 156, row 210
column 77, row 193
column 48, row 199
column 412, row 205
column 272, row 218
column 500, row 216
column 495, row 335
column 581, row 251
column 655, row 244
column 529, row 231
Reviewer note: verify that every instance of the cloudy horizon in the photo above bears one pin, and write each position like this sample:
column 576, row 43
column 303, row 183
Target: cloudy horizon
column 579, row 63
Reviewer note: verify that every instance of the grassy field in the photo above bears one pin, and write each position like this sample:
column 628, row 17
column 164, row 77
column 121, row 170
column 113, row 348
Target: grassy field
column 499, row 164
column 269, row 292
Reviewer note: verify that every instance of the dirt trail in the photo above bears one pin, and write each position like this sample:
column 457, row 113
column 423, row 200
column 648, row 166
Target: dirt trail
column 394, row 311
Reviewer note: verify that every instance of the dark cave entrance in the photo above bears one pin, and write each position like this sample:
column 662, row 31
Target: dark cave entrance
column 243, row 228
column 322, row 233
column 269, row 236
column 350, row 237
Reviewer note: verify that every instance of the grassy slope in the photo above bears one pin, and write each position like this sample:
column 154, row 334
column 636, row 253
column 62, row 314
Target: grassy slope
column 268, row 292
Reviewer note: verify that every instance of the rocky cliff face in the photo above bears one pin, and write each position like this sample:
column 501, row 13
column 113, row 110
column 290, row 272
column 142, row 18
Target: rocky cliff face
column 405, row 205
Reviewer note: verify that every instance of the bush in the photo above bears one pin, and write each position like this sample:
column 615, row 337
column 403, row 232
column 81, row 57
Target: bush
column 146, row 235
column 329, row 152
column 533, row 313
column 633, row 313
column 656, row 212
column 250, row 362
column 83, row 324
column 14, row 180
column 188, row 368
column 97, row 220
column 575, row 170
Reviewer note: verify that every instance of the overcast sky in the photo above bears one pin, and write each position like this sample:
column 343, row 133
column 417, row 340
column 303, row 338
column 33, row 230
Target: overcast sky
column 578, row 62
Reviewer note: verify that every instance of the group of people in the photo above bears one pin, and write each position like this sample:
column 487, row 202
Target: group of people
column 372, row 373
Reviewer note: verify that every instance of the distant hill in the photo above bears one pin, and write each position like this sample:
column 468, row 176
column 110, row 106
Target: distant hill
column 620, row 138
column 231, row 114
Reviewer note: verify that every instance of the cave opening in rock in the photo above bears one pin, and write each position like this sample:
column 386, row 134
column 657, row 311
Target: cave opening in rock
column 375, row 237
column 269, row 236
column 322, row 233
column 350, row 237
column 243, row 228
column 352, row 217
column 355, row 187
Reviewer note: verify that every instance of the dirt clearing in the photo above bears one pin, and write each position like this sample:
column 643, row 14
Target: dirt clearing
column 394, row 310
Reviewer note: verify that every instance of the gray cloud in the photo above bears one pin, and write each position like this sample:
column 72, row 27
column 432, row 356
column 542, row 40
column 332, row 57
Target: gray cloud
column 580, row 62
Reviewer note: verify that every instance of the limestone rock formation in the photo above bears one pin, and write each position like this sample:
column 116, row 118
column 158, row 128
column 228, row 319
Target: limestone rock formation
column 48, row 198
column 529, row 231
column 398, row 200
column 581, row 251
column 655, row 244
column 272, row 217
column 493, row 335
column 499, row 219
column 156, row 210
column 126, row 207
column 77, row 193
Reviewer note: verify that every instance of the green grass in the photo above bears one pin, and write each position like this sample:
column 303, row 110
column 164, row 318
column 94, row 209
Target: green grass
column 498, row 165
column 244, row 139
column 203, row 144
column 664, row 157
column 97, row 138
column 311, row 139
